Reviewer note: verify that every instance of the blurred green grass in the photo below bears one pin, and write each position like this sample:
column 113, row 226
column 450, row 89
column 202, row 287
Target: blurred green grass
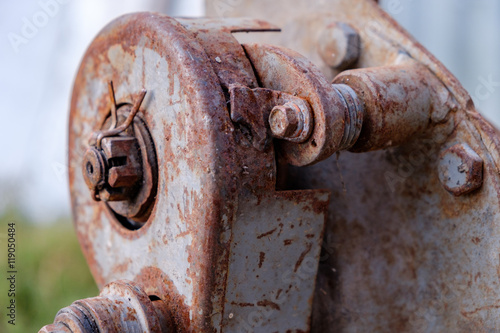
column 51, row 272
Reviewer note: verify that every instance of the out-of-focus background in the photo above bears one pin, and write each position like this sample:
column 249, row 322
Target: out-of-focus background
column 41, row 44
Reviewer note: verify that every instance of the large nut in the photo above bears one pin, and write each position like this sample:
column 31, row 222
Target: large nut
column 111, row 173
column 124, row 161
column 460, row 169
column 284, row 121
column 339, row 45
column 122, row 306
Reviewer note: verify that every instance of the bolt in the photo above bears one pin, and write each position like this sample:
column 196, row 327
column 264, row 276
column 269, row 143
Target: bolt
column 339, row 45
column 291, row 121
column 460, row 169
column 284, row 120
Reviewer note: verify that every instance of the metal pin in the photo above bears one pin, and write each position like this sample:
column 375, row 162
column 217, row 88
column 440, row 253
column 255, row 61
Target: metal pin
column 114, row 116
column 126, row 124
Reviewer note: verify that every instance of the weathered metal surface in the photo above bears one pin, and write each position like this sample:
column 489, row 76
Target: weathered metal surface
column 400, row 101
column 251, row 109
column 209, row 174
column 402, row 254
column 285, row 70
column 377, row 107
column 276, row 241
column 226, row 55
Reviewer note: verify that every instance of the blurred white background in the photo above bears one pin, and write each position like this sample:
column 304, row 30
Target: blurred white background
column 43, row 41
column 41, row 47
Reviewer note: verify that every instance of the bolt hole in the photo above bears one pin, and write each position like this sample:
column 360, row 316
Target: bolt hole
column 313, row 143
column 90, row 168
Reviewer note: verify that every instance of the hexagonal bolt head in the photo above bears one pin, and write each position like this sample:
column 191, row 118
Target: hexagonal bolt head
column 291, row 121
column 112, row 172
column 284, row 120
column 339, row 45
column 460, row 169
column 124, row 161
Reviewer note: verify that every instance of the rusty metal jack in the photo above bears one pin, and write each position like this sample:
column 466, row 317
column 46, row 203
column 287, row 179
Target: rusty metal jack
column 216, row 205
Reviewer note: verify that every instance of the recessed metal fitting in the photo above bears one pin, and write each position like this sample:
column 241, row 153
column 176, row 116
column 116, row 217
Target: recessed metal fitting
column 460, row 169
column 120, row 167
column 112, row 163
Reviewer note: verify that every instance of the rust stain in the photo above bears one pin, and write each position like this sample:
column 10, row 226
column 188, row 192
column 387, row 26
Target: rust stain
column 242, row 304
column 157, row 283
column 268, row 303
column 270, row 232
column 131, row 314
column 302, row 256
column 483, row 308
column 262, row 257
